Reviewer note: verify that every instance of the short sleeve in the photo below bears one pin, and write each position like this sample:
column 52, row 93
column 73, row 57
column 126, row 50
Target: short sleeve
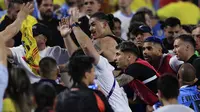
column 103, row 64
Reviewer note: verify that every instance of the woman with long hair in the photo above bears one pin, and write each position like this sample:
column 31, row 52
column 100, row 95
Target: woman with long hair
column 18, row 93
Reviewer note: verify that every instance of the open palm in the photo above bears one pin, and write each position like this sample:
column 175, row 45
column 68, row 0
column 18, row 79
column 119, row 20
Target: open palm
column 65, row 30
column 26, row 9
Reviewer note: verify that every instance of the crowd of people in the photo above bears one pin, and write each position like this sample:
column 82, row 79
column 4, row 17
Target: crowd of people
column 80, row 59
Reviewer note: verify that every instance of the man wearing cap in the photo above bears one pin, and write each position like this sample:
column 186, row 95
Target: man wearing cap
column 154, row 53
column 138, row 32
column 189, row 94
column 41, row 34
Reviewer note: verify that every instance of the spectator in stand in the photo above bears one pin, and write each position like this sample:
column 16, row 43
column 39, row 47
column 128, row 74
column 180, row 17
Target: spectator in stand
column 172, row 29
column 138, row 32
column 124, row 14
column 10, row 17
column 155, row 22
column 168, row 91
column 45, row 8
column 18, row 93
column 184, row 49
column 117, row 27
column 155, row 53
column 44, row 96
column 142, row 16
column 189, row 93
column 186, row 29
column 65, row 8
column 41, row 34
column 188, row 15
column 196, row 35
column 49, row 73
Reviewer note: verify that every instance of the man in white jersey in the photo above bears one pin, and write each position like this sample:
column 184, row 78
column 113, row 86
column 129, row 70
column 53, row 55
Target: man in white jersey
column 103, row 70
column 124, row 14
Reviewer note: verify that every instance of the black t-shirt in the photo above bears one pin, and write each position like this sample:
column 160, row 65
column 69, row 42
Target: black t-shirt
column 195, row 61
column 7, row 21
column 83, row 99
column 167, row 45
column 56, row 38
column 59, row 88
column 141, row 72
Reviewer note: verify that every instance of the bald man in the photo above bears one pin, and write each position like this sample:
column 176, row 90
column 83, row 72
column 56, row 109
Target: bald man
column 189, row 94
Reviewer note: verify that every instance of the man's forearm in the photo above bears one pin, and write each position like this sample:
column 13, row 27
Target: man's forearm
column 12, row 29
column 86, row 44
column 81, row 37
column 70, row 45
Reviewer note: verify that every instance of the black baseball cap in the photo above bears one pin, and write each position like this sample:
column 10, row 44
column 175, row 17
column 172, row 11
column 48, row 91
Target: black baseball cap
column 139, row 28
column 39, row 29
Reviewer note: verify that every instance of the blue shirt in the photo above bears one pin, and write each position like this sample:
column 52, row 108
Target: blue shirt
column 158, row 32
column 3, row 83
column 190, row 96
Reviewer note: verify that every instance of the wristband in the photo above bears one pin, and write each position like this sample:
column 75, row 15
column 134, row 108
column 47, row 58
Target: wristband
column 76, row 24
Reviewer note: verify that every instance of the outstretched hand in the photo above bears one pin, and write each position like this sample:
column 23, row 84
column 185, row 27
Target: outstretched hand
column 74, row 12
column 25, row 10
column 64, row 26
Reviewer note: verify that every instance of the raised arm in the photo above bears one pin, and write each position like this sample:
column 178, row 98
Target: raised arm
column 84, row 41
column 12, row 29
column 65, row 31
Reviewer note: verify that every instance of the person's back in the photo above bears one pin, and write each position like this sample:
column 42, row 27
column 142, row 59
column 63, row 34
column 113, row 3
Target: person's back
column 189, row 96
column 189, row 93
column 17, row 96
column 44, row 95
column 184, row 14
column 75, row 101
column 168, row 91
column 174, row 108
column 49, row 73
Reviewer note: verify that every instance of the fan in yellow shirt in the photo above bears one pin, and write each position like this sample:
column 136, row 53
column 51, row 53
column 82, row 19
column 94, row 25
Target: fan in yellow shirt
column 186, row 11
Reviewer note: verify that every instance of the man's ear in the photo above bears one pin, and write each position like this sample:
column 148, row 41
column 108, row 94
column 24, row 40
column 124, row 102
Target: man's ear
column 87, row 75
column 105, row 24
column 188, row 47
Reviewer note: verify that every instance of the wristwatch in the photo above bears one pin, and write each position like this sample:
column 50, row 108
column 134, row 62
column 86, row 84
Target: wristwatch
column 76, row 24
